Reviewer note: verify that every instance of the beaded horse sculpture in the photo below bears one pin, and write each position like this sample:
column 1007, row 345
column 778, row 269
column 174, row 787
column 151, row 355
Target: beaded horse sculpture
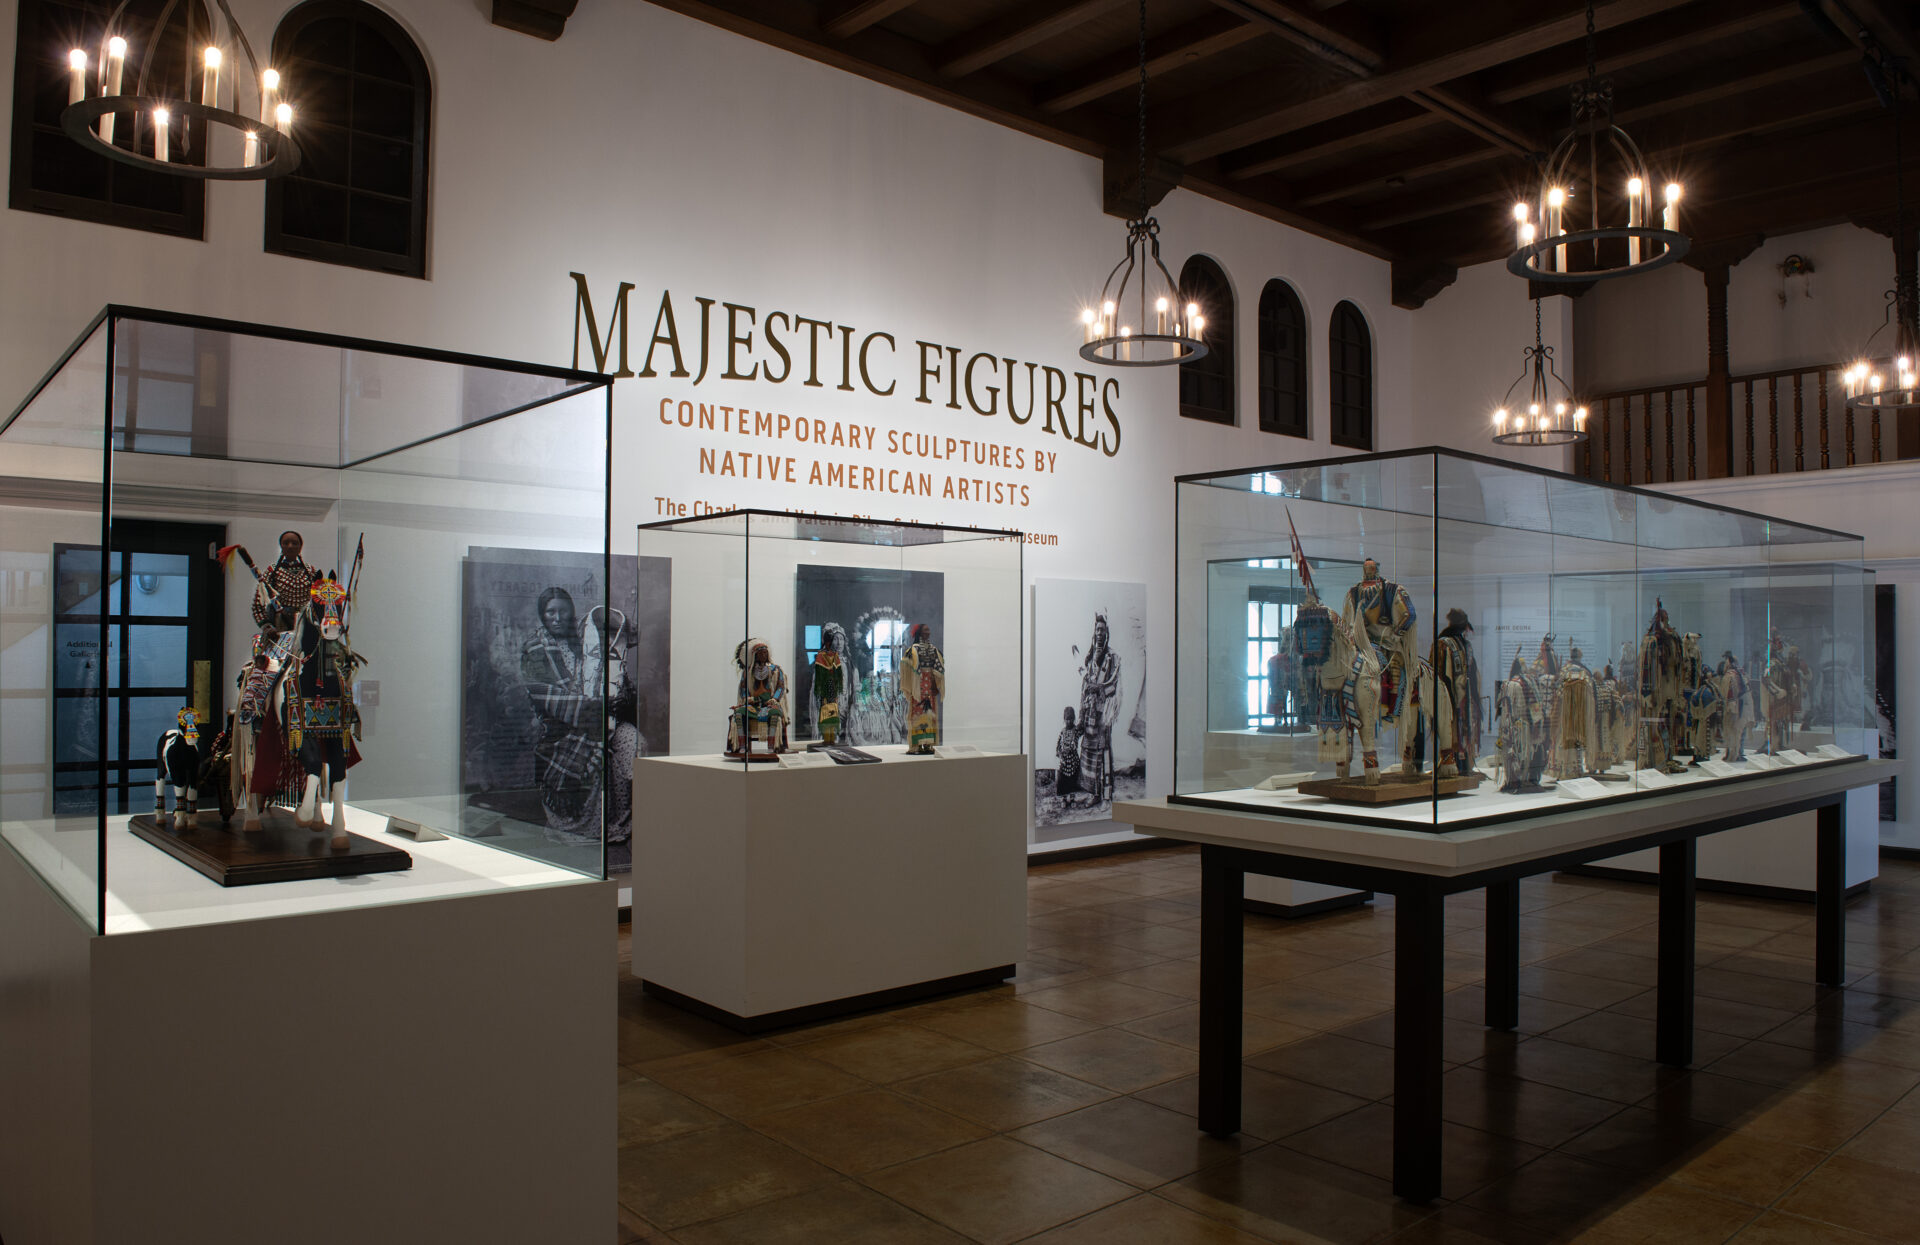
column 181, row 758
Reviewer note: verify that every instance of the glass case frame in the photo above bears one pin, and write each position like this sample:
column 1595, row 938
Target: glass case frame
column 816, row 575
column 169, row 419
column 1527, row 553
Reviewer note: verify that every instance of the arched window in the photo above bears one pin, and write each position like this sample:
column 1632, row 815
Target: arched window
column 360, row 94
column 1350, row 370
column 1283, row 361
column 50, row 172
column 1206, row 385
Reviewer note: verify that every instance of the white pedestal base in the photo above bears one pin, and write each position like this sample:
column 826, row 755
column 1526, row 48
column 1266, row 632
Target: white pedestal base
column 770, row 895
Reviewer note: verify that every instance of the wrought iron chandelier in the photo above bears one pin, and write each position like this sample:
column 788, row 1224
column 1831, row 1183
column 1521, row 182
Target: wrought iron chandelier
column 1550, row 415
column 1170, row 325
column 1866, row 379
column 164, row 105
column 1546, row 229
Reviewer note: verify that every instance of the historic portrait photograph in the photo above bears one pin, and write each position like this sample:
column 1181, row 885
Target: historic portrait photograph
column 1089, row 702
column 540, row 743
column 867, row 615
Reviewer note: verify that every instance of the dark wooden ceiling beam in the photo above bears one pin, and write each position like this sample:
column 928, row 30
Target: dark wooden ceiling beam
column 1393, row 171
column 1030, row 25
column 1340, row 137
column 1464, row 109
column 543, row 19
column 1341, row 43
column 1734, row 80
column 1854, row 17
column 1637, row 44
column 846, row 18
column 1453, row 43
column 1207, row 35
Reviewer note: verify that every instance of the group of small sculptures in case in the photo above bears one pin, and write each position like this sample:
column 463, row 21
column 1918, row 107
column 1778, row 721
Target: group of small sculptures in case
column 1358, row 672
column 290, row 737
column 757, row 723
column 1667, row 702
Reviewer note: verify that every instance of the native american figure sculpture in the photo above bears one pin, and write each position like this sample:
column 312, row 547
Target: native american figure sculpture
column 1349, row 678
column 923, row 685
column 1702, row 697
column 1738, row 706
column 1381, row 612
column 1520, row 714
column 1782, row 688
column 322, row 722
column 1608, row 715
column 1454, row 697
column 1574, row 720
column 757, row 724
column 829, row 682
column 1663, row 703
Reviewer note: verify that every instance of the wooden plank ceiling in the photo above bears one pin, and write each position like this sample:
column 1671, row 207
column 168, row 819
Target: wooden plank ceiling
column 1404, row 128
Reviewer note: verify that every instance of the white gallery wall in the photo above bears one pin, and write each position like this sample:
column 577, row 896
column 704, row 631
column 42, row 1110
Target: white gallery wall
column 650, row 149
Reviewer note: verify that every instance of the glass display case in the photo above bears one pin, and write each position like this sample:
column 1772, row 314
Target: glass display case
column 789, row 640
column 1438, row 640
column 424, row 536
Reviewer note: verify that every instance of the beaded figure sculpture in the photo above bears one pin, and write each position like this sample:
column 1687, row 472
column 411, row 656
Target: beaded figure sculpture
column 923, row 685
column 757, row 725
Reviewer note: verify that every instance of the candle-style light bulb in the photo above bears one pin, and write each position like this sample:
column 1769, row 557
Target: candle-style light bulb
column 1533, row 408
column 110, row 81
column 1579, row 417
column 1500, row 420
column 269, row 86
column 77, row 71
column 1160, row 316
column 1556, row 205
column 1559, row 408
column 210, row 77
column 161, row 120
column 1522, row 230
column 283, row 117
column 1670, row 219
column 252, row 155
column 1199, row 325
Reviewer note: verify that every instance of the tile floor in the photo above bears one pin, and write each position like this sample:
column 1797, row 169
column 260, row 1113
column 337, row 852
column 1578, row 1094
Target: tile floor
column 1059, row 1108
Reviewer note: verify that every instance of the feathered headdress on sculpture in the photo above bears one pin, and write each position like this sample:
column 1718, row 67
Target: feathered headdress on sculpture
column 743, row 652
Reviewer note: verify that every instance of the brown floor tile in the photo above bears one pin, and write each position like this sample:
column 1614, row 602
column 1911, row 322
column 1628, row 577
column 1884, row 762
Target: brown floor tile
column 1830, row 1037
column 843, row 1213
column 1774, row 1228
column 1116, row 1059
column 1005, row 1024
column 1313, row 1009
column 1672, row 1214
column 646, row 1041
column 1537, row 1014
column 1598, row 1073
column 1718, row 983
column 1893, row 1140
column 1852, row 1193
column 997, row 1190
column 1335, row 1061
column 865, row 1131
column 1104, row 1002
column 1458, row 1224
column 1283, row 1195
column 1543, row 981
column 1103, row 955
column 1145, row 1220
column 1133, row 1141
column 1363, row 1141
column 1537, row 1114
column 1363, row 979
column 1270, row 1106
column 1159, row 940
column 709, row 1174
column 1645, row 1141
column 1557, row 1194
column 1610, row 965
column 1181, row 1026
column 893, row 1052
column 1461, row 1041
column 1073, row 923
column 1004, row 1092
column 1180, row 978
column 1742, row 1020
column 758, row 1082
column 651, row 1112
column 1633, row 1037
column 1283, row 963
column 1752, row 1169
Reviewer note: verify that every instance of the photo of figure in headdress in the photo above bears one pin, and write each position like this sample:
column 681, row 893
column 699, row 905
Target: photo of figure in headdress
column 1090, row 683
column 864, row 615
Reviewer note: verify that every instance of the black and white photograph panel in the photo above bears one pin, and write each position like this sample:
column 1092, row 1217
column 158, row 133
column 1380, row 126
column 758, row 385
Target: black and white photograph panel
column 536, row 757
column 1089, row 702
column 868, row 614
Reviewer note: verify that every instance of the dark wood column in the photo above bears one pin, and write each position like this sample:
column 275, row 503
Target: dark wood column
column 1714, row 261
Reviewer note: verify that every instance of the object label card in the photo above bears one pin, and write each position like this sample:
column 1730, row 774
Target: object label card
column 950, row 752
column 1652, row 779
column 1580, row 789
column 1722, row 769
column 1832, row 752
column 1793, row 756
column 1761, row 761
column 805, row 760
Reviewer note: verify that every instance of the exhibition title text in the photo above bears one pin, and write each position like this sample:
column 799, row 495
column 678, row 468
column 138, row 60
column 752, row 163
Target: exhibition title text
column 701, row 337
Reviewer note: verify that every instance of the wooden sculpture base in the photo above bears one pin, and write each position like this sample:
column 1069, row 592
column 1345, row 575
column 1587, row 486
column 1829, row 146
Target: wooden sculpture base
column 278, row 852
column 1393, row 788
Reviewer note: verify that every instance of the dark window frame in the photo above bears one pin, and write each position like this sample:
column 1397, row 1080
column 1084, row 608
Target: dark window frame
column 1350, row 378
column 35, row 30
column 1207, row 390
column 1282, row 318
column 277, row 241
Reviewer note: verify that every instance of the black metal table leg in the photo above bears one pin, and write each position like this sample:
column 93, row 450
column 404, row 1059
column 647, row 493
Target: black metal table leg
column 1503, row 955
column 1418, row 987
column 1222, row 953
column 1673, row 1034
column 1829, row 898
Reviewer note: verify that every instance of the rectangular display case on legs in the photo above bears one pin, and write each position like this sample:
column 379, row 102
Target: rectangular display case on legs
column 840, row 819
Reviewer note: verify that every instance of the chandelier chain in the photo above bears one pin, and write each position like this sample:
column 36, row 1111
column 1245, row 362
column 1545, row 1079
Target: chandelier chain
column 1142, row 185
column 1593, row 70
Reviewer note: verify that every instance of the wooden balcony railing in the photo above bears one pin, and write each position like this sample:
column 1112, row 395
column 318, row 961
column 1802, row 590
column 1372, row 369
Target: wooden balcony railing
column 1791, row 420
